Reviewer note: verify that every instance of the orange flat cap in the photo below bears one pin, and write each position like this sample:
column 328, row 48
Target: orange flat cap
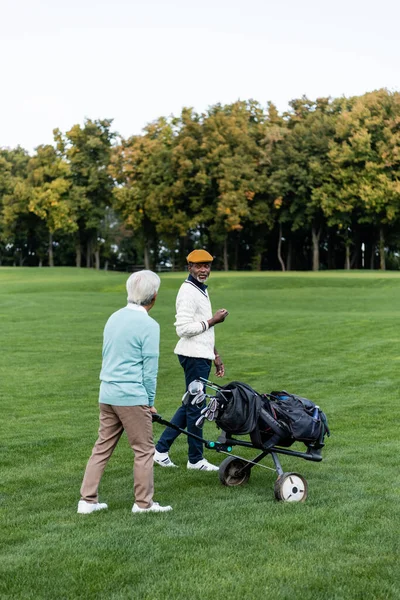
column 199, row 256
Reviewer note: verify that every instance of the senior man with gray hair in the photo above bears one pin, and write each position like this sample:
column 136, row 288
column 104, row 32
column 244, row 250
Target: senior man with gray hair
column 127, row 391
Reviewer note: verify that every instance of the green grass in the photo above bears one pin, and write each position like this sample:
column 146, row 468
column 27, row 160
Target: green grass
column 333, row 337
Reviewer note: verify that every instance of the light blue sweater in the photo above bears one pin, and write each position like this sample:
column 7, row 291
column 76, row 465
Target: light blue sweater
column 131, row 344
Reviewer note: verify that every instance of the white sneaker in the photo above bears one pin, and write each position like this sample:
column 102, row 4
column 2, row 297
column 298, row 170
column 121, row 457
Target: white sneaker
column 155, row 507
column 202, row 465
column 85, row 508
column 163, row 459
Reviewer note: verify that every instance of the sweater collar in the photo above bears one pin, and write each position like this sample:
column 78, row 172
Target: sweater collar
column 137, row 307
column 202, row 286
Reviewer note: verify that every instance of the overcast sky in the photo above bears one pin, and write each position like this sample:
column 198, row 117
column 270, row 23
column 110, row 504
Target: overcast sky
column 136, row 61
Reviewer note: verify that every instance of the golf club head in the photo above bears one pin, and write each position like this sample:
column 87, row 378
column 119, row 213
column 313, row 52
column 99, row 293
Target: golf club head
column 200, row 421
column 195, row 387
column 198, row 399
column 185, row 398
column 213, row 404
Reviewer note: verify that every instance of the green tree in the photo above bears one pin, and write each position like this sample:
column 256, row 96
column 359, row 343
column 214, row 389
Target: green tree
column 87, row 149
column 362, row 185
column 20, row 230
column 232, row 136
column 191, row 192
column 49, row 177
column 299, row 162
column 141, row 168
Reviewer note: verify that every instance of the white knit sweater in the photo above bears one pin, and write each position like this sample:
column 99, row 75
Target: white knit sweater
column 193, row 309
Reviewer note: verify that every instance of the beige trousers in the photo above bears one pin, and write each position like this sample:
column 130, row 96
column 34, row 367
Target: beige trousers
column 137, row 422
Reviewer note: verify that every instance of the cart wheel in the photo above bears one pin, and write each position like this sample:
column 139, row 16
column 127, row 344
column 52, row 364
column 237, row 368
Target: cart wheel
column 232, row 471
column 291, row 487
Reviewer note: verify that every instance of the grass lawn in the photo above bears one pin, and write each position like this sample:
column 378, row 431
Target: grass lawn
column 332, row 337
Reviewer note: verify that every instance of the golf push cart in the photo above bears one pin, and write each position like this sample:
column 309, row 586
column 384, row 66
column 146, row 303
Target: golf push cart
column 273, row 421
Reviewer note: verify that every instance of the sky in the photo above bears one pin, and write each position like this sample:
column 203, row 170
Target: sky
column 131, row 61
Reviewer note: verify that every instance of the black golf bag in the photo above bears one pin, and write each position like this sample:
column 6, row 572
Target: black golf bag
column 278, row 418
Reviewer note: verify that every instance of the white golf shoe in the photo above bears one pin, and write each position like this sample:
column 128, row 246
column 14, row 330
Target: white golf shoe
column 85, row 508
column 202, row 465
column 154, row 508
column 163, row 459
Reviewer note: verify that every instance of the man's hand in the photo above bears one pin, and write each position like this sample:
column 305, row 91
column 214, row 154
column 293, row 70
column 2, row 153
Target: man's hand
column 153, row 409
column 218, row 317
column 219, row 366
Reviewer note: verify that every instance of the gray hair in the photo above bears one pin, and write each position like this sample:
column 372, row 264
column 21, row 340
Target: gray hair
column 142, row 286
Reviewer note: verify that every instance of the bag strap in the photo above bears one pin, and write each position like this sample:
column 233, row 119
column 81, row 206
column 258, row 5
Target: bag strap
column 280, row 432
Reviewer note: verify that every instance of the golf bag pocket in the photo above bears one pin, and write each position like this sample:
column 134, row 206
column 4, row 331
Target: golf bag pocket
column 305, row 420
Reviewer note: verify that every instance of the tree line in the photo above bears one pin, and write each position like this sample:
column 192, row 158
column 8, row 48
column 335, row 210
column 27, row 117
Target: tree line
column 317, row 187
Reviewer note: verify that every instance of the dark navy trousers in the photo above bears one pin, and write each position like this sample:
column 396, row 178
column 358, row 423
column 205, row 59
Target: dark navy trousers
column 187, row 415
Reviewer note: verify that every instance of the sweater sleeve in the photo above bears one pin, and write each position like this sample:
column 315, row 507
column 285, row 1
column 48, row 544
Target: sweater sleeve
column 186, row 324
column 150, row 352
